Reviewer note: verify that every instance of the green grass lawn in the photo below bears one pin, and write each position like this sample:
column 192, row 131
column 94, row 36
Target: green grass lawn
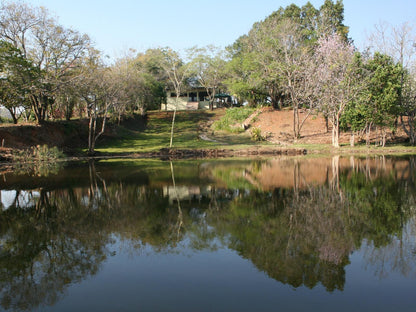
column 157, row 135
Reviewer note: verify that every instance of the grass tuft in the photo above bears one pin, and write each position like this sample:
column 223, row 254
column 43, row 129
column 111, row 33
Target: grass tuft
column 232, row 120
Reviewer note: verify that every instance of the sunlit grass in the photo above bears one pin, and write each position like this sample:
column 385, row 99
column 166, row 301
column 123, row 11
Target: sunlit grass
column 157, row 134
column 232, row 117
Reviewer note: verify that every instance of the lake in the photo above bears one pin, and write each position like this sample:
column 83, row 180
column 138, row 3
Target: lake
column 279, row 234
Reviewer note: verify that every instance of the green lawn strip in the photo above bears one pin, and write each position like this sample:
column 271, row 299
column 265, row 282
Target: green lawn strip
column 157, row 134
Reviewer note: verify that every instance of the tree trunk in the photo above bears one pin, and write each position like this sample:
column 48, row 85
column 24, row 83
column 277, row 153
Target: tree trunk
column 91, row 131
column 173, row 122
column 367, row 136
column 326, row 123
column 335, row 131
column 352, row 139
column 409, row 129
column 296, row 134
column 301, row 123
column 13, row 114
column 39, row 106
column 384, row 136
column 211, row 98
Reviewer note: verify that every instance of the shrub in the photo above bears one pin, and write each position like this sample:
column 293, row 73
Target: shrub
column 256, row 135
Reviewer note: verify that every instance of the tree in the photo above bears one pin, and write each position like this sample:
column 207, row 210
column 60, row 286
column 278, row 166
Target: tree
column 207, row 65
column 153, row 80
column 408, row 105
column 99, row 90
column 16, row 72
column 66, row 101
column 331, row 18
column 337, row 79
column 399, row 43
column 126, row 75
column 379, row 102
column 383, row 89
column 53, row 49
column 273, row 62
column 395, row 41
column 278, row 65
column 294, row 68
column 177, row 73
column 243, row 75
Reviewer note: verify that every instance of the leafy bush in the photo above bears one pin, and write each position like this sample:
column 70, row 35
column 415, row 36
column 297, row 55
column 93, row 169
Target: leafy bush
column 5, row 120
column 256, row 135
column 232, row 119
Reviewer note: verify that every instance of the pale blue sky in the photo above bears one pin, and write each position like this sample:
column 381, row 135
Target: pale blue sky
column 117, row 25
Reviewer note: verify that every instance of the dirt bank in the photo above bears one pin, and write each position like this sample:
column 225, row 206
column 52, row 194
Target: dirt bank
column 278, row 126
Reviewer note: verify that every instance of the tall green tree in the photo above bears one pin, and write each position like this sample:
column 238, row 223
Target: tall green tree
column 379, row 102
column 17, row 77
column 384, row 90
column 153, row 80
column 331, row 19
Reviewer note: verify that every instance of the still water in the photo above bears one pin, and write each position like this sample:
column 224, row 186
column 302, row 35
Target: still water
column 284, row 234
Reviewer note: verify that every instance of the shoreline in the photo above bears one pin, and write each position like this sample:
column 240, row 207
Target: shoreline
column 213, row 153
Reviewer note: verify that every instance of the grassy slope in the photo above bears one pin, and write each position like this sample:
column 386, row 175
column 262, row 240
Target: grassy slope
column 186, row 135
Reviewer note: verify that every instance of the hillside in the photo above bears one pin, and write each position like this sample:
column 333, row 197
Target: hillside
column 65, row 135
column 193, row 131
column 277, row 126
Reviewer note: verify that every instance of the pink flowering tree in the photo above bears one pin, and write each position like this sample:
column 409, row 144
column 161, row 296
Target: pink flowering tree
column 337, row 80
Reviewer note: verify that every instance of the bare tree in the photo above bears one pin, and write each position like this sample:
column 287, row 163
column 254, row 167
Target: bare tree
column 177, row 72
column 295, row 66
column 396, row 41
column 285, row 58
column 100, row 91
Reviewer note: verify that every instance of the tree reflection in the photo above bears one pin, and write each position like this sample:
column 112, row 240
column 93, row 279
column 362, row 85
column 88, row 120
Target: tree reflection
column 179, row 223
column 309, row 240
column 41, row 253
column 300, row 233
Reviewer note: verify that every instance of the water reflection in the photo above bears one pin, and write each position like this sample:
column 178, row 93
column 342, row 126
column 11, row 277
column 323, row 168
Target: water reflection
column 297, row 220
